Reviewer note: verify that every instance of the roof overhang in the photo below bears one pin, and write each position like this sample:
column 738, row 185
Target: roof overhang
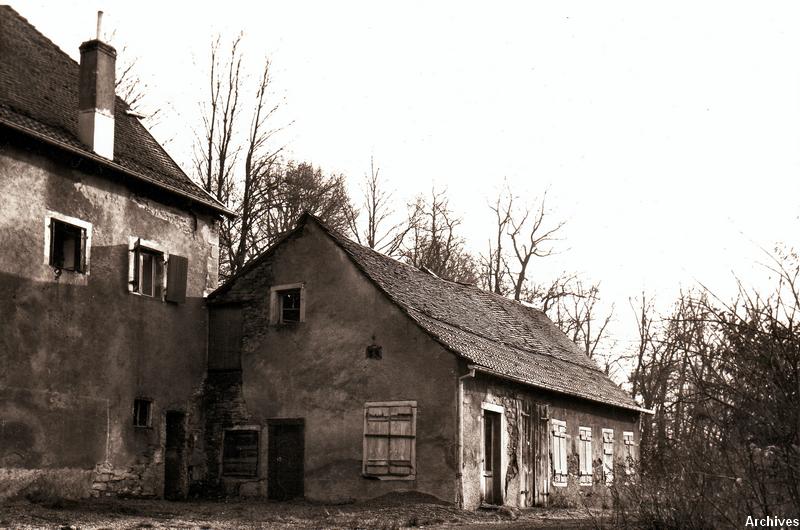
column 210, row 203
column 488, row 371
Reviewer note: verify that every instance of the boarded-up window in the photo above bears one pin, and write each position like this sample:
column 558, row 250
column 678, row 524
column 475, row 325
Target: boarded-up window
column 585, row 456
column 558, row 457
column 608, row 455
column 630, row 455
column 224, row 338
column 240, row 453
column 390, row 430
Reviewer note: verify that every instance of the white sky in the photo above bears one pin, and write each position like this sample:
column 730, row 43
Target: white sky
column 668, row 134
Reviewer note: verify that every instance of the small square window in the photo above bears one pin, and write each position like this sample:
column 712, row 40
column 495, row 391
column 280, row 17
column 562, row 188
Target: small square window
column 148, row 272
column 141, row 412
column 286, row 304
column 290, row 305
column 67, row 246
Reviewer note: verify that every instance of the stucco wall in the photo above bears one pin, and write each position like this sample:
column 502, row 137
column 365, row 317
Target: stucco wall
column 317, row 370
column 76, row 349
column 483, row 389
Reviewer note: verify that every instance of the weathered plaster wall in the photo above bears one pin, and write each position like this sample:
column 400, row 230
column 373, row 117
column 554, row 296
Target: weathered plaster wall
column 75, row 350
column 317, row 370
column 576, row 413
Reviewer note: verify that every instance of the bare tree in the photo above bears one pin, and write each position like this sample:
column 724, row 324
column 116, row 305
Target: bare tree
column 430, row 240
column 376, row 206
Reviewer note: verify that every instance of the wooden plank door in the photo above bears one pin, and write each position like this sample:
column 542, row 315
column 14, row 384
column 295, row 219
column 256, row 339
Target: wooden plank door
column 285, row 463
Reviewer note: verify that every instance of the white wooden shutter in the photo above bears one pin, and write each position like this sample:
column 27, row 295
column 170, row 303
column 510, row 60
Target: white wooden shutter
column 559, row 456
column 608, row 455
column 585, row 455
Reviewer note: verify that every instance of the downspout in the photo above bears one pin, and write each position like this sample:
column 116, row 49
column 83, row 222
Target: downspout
column 459, row 416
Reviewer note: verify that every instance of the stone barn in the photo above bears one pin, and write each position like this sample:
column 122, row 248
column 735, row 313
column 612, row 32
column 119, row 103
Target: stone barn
column 337, row 373
column 109, row 251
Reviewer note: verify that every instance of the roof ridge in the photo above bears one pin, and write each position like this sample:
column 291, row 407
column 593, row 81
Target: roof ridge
column 40, row 34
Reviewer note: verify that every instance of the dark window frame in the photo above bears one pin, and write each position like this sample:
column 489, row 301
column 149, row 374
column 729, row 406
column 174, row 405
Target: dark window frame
column 228, row 454
column 61, row 231
column 148, row 413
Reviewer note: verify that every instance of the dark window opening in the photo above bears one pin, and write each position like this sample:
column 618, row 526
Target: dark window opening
column 374, row 351
column 148, row 271
column 240, row 453
column 67, row 246
column 141, row 412
column 290, row 305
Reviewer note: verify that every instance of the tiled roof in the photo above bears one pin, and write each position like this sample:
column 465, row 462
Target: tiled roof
column 39, row 97
column 494, row 333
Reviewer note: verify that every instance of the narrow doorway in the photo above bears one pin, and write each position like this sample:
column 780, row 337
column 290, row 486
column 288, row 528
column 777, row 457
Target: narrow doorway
column 286, row 455
column 174, row 456
column 528, row 485
column 492, row 447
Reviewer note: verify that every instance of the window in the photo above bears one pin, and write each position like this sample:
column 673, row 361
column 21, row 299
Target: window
column 141, row 412
column 390, row 429
column 559, row 452
column 630, row 457
column 585, row 456
column 67, row 243
column 287, row 304
column 149, row 267
column 608, row 455
column 240, row 453
column 154, row 273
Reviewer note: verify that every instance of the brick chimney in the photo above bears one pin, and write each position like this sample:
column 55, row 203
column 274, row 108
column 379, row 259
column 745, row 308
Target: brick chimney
column 96, row 95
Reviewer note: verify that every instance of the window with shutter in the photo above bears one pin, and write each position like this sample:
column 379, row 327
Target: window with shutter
column 558, row 456
column 67, row 243
column 585, row 456
column 630, row 456
column 146, row 262
column 608, row 455
column 390, row 440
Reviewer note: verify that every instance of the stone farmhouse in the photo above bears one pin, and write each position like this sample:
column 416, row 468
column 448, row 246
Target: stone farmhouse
column 110, row 251
column 322, row 370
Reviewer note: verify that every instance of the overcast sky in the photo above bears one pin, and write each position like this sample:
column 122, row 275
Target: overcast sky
column 668, row 135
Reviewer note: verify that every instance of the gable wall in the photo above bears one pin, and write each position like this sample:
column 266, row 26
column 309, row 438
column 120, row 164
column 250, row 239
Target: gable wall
column 318, row 371
column 77, row 349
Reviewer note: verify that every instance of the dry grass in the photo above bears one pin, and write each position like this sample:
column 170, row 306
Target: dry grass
column 397, row 511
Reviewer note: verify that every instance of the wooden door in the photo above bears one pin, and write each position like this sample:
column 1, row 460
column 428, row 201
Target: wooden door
column 492, row 447
column 527, row 462
column 286, row 454
column 174, row 456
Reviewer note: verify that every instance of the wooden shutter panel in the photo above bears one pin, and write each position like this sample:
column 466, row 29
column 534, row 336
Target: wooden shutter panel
column 376, row 440
column 401, row 440
column 177, row 268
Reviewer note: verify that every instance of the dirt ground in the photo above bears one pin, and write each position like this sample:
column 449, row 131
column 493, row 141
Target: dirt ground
column 403, row 512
